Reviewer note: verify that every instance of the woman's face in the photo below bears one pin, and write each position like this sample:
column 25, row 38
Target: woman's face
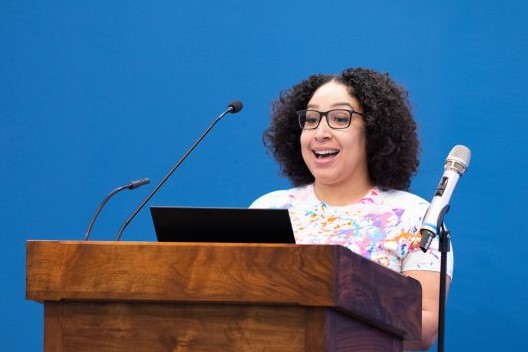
column 336, row 156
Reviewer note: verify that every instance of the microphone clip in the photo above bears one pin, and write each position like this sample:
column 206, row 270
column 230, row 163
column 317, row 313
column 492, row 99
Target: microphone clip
column 429, row 231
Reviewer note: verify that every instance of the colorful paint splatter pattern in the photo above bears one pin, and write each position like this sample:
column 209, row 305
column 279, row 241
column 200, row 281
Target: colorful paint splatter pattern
column 382, row 226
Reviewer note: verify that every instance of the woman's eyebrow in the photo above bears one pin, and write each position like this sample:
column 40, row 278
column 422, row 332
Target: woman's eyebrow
column 334, row 105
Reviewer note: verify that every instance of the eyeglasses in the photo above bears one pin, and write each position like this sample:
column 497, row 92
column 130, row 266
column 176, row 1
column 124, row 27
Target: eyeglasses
column 336, row 119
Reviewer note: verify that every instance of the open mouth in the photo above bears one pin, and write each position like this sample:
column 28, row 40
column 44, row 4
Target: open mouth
column 321, row 154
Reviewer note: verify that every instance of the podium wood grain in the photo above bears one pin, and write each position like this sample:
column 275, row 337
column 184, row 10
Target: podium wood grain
column 135, row 296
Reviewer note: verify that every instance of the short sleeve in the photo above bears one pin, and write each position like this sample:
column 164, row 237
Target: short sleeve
column 416, row 259
column 273, row 200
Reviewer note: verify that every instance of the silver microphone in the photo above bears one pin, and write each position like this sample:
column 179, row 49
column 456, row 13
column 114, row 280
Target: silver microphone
column 456, row 164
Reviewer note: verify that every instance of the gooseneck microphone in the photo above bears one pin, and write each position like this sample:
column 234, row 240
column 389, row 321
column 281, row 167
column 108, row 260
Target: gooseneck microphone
column 130, row 185
column 233, row 107
column 456, row 164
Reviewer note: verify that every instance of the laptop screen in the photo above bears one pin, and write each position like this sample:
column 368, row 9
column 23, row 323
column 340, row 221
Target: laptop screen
column 222, row 225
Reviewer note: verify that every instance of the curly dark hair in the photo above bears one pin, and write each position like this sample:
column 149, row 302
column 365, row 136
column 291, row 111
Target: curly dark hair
column 392, row 142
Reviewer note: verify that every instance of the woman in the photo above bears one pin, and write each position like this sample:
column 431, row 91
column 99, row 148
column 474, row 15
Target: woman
column 348, row 144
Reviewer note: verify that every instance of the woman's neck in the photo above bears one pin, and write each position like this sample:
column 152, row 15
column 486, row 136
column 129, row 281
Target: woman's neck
column 339, row 195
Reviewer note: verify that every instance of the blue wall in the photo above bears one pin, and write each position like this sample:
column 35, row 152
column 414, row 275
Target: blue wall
column 94, row 94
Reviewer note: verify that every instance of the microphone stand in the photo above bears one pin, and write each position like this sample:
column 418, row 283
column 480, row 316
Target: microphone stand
column 444, row 246
column 99, row 208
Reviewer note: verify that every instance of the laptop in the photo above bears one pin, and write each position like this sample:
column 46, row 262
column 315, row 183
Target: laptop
column 222, row 225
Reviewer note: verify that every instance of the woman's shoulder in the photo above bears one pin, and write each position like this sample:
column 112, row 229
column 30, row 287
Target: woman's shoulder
column 283, row 199
column 402, row 196
column 401, row 199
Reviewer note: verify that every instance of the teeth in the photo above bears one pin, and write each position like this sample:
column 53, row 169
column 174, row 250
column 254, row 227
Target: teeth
column 326, row 152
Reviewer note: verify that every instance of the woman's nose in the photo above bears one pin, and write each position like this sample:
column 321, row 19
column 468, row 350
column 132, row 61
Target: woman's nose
column 323, row 131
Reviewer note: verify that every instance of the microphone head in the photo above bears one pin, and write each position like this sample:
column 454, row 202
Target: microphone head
column 458, row 159
column 138, row 183
column 235, row 106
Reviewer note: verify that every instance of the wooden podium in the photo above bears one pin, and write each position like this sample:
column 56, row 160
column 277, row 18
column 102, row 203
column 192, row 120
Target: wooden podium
column 147, row 296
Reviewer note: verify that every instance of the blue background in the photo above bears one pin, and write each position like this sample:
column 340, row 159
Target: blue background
column 95, row 94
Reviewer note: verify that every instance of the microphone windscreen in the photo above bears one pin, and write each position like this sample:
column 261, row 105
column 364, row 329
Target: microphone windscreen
column 459, row 158
column 235, row 106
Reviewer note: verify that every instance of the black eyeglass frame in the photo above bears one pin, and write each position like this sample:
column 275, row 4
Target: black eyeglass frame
column 325, row 115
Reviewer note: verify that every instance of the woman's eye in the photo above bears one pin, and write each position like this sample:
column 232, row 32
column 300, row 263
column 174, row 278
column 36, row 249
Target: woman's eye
column 343, row 119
